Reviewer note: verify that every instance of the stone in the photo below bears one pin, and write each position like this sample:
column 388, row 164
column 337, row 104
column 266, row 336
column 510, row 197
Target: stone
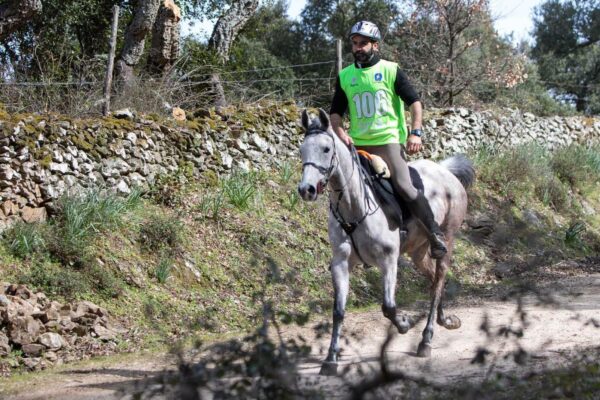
column 178, row 114
column 259, row 142
column 103, row 333
column 226, row 160
column 32, row 363
column 63, row 168
column 240, row 145
column 33, row 349
column 51, row 340
column 124, row 113
column 24, row 330
column 57, row 156
column 9, row 208
column 132, row 137
column 123, row 188
column 4, row 301
column 51, row 356
column 4, row 345
column 8, row 174
column 31, row 215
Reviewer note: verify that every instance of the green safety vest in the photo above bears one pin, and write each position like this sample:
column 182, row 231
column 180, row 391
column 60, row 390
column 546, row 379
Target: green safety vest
column 376, row 111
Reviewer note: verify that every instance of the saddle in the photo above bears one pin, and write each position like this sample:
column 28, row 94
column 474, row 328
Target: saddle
column 378, row 176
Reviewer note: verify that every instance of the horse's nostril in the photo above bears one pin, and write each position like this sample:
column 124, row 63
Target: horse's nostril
column 312, row 189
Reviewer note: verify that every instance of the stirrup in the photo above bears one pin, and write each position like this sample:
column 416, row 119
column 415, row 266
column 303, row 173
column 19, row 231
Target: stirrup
column 437, row 244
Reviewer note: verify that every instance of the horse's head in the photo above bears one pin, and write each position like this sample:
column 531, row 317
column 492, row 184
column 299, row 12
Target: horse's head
column 318, row 155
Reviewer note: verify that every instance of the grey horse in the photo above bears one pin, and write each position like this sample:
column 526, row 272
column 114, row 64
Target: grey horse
column 360, row 232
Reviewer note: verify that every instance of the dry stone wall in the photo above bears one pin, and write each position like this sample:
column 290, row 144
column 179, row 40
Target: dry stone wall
column 460, row 130
column 42, row 157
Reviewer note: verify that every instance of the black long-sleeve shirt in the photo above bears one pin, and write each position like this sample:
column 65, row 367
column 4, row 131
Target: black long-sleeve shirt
column 402, row 87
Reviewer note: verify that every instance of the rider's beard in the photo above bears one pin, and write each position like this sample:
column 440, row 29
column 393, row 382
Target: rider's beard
column 362, row 56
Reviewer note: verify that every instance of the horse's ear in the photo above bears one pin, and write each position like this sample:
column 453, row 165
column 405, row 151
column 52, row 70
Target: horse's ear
column 305, row 119
column 324, row 118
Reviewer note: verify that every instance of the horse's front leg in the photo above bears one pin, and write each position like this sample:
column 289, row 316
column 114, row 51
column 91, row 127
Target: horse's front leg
column 341, row 282
column 389, row 271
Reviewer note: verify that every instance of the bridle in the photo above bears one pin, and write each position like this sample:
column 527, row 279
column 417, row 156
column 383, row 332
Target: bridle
column 348, row 227
column 326, row 171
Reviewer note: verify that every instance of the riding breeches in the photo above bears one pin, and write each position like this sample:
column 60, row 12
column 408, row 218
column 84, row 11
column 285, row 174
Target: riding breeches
column 393, row 155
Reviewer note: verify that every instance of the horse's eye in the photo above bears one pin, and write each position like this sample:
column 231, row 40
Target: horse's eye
column 326, row 150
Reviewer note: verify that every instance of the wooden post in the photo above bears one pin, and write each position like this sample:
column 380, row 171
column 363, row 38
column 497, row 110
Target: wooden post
column 111, row 62
column 338, row 54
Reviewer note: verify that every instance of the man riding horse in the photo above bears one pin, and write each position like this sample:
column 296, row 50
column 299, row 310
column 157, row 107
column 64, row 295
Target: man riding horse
column 374, row 92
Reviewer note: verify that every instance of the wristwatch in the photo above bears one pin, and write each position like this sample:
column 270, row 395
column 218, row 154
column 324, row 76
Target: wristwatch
column 416, row 132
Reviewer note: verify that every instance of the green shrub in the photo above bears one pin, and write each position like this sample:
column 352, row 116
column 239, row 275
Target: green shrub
column 25, row 240
column 168, row 190
column 240, row 189
column 211, row 204
column 286, row 172
column 163, row 269
column 80, row 218
column 291, row 200
column 162, row 234
column 55, row 280
column 573, row 234
column 522, row 172
column 577, row 165
column 104, row 281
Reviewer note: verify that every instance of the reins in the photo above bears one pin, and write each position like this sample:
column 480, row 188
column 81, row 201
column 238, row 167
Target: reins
column 348, row 227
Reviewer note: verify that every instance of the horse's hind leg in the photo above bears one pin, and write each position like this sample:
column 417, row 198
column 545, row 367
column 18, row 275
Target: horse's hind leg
column 403, row 323
column 441, row 267
column 341, row 278
column 447, row 321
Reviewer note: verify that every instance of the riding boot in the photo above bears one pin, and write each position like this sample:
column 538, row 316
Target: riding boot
column 420, row 208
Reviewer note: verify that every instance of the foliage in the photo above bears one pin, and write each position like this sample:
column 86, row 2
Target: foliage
column 272, row 78
column 211, row 204
column 162, row 234
column 577, row 165
column 55, row 280
column 566, row 48
column 452, row 52
column 81, row 217
column 522, row 171
column 240, row 189
column 25, row 240
column 65, row 35
column 163, row 269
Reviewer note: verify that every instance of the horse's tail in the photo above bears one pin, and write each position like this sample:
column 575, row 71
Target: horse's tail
column 461, row 167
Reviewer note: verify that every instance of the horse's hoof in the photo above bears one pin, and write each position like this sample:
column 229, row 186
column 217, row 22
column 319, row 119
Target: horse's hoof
column 450, row 322
column 329, row 369
column 404, row 324
column 424, row 350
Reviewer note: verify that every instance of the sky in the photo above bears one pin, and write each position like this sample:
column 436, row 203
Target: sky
column 510, row 16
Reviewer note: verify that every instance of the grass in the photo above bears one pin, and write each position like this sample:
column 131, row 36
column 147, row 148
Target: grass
column 240, row 189
column 163, row 269
column 26, row 240
column 174, row 268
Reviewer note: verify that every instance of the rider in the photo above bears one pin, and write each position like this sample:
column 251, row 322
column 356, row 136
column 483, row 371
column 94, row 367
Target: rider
column 374, row 92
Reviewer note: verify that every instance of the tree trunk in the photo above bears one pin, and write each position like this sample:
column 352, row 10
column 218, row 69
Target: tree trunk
column 15, row 13
column 223, row 35
column 165, row 38
column 143, row 19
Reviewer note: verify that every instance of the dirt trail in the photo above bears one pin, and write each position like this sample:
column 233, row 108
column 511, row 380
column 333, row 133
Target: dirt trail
column 552, row 331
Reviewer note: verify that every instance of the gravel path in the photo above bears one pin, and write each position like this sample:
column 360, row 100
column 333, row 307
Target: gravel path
column 552, row 332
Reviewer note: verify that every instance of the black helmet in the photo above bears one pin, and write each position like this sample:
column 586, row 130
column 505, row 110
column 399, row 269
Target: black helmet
column 366, row 29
